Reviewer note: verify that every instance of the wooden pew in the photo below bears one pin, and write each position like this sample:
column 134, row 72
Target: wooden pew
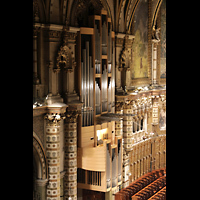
column 152, row 188
column 159, row 195
column 144, row 187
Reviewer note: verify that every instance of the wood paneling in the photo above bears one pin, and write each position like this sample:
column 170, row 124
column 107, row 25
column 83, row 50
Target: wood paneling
column 92, row 158
column 87, row 133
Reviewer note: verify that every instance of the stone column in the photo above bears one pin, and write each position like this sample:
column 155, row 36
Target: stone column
column 53, row 117
column 35, row 75
column 154, row 61
column 128, row 127
column 119, row 124
column 41, row 187
column 70, row 165
column 119, row 127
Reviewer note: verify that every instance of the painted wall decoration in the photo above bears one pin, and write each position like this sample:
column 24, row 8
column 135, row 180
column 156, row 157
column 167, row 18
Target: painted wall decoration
column 139, row 68
column 163, row 41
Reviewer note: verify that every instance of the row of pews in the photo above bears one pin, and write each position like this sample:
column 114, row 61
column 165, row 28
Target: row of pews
column 150, row 186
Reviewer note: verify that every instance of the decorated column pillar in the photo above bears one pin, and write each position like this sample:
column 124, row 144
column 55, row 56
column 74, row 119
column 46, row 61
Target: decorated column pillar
column 53, row 118
column 119, row 124
column 127, row 138
column 128, row 127
column 35, row 74
column 70, row 163
column 155, row 42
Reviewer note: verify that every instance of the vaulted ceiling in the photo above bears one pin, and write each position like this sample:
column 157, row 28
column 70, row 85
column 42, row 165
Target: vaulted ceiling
column 120, row 11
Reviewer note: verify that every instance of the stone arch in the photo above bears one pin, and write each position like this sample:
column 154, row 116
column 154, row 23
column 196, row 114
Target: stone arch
column 81, row 9
column 39, row 13
column 155, row 14
column 39, row 159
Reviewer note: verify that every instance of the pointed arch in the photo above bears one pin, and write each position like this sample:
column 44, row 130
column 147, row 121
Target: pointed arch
column 155, row 14
column 119, row 13
column 81, row 7
column 40, row 158
column 39, row 10
column 132, row 15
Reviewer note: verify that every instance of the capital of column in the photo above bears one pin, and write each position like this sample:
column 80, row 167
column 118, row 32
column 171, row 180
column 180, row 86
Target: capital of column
column 55, row 113
column 73, row 111
column 41, row 182
column 119, row 105
column 71, row 116
column 53, row 119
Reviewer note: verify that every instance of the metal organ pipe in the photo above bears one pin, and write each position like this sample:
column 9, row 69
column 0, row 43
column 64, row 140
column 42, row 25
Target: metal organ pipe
column 108, row 175
column 104, row 89
column 87, row 86
column 109, row 94
column 97, row 47
column 113, row 76
column 119, row 161
column 98, row 103
column 114, row 174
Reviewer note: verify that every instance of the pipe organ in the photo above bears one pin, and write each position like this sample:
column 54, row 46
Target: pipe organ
column 96, row 86
column 114, row 168
column 98, row 96
column 87, row 85
column 104, row 86
column 119, row 162
column 108, row 175
column 96, row 69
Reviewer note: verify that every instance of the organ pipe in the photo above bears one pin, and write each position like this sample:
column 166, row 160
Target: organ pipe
column 109, row 42
column 97, row 42
column 109, row 94
column 114, row 171
column 104, row 89
column 119, row 161
column 104, row 35
column 108, row 175
column 87, row 86
column 113, row 75
column 98, row 98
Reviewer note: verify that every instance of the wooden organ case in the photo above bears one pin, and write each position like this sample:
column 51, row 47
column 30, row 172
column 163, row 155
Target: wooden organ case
column 95, row 51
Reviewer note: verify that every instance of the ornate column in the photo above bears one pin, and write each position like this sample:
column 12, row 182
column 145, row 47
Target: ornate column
column 53, row 118
column 128, row 126
column 155, row 42
column 35, row 75
column 119, row 124
column 41, row 187
column 155, row 114
column 70, row 162
column 127, row 140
